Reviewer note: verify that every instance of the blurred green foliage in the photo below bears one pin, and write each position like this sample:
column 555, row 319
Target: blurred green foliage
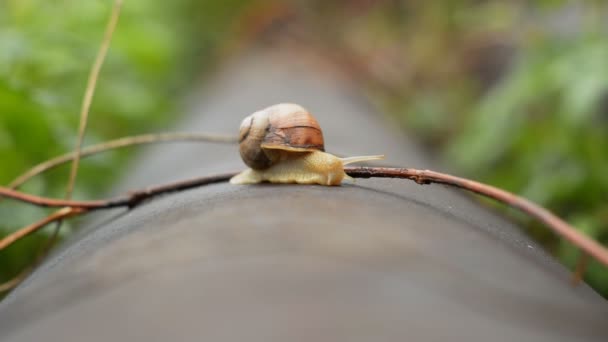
column 542, row 132
column 514, row 94
column 541, row 128
column 46, row 51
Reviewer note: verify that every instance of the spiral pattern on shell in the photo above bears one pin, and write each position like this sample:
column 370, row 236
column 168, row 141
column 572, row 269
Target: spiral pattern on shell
column 282, row 127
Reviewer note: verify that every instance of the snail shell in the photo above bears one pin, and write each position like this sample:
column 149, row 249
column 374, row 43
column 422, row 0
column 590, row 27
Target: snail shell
column 282, row 127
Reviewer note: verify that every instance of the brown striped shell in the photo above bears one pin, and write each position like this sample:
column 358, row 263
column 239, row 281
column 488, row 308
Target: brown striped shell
column 265, row 134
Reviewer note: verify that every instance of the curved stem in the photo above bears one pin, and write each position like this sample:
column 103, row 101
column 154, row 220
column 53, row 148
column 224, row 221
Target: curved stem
column 119, row 143
column 23, row 232
column 73, row 208
column 562, row 228
column 90, row 91
column 588, row 245
column 129, row 200
column 49, row 202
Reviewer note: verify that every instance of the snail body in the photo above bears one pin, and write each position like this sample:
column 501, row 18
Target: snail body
column 284, row 144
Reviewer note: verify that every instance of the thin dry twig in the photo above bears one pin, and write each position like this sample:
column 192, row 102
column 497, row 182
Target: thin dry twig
column 72, row 208
column 49, row 202
column 120, row 143
column 84, row 113
column 129, row 200
column 588, row 245
column 21, row 233
column 24, row 273
column 86, row 108
column 92, row 150
column 90, row 91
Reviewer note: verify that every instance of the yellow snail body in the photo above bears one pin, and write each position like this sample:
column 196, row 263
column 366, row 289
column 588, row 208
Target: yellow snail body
column 284, row 144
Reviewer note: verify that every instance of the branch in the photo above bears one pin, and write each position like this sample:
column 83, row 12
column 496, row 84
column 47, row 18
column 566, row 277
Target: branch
column 84, row 113
column 119, row 143
column 95, row 149
column 590, row 246
column 46, row 201
column 128, row 200
column 73, row 208
column 23, row 232
column 24, row 273
column 90, row 91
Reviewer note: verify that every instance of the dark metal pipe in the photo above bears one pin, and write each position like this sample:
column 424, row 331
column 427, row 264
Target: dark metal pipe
column 378, row 260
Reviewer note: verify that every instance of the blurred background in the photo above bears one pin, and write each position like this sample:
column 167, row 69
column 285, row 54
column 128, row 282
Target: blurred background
column 512, row 93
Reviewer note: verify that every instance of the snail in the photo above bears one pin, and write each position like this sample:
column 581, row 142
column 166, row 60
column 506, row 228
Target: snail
column 284, row 144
